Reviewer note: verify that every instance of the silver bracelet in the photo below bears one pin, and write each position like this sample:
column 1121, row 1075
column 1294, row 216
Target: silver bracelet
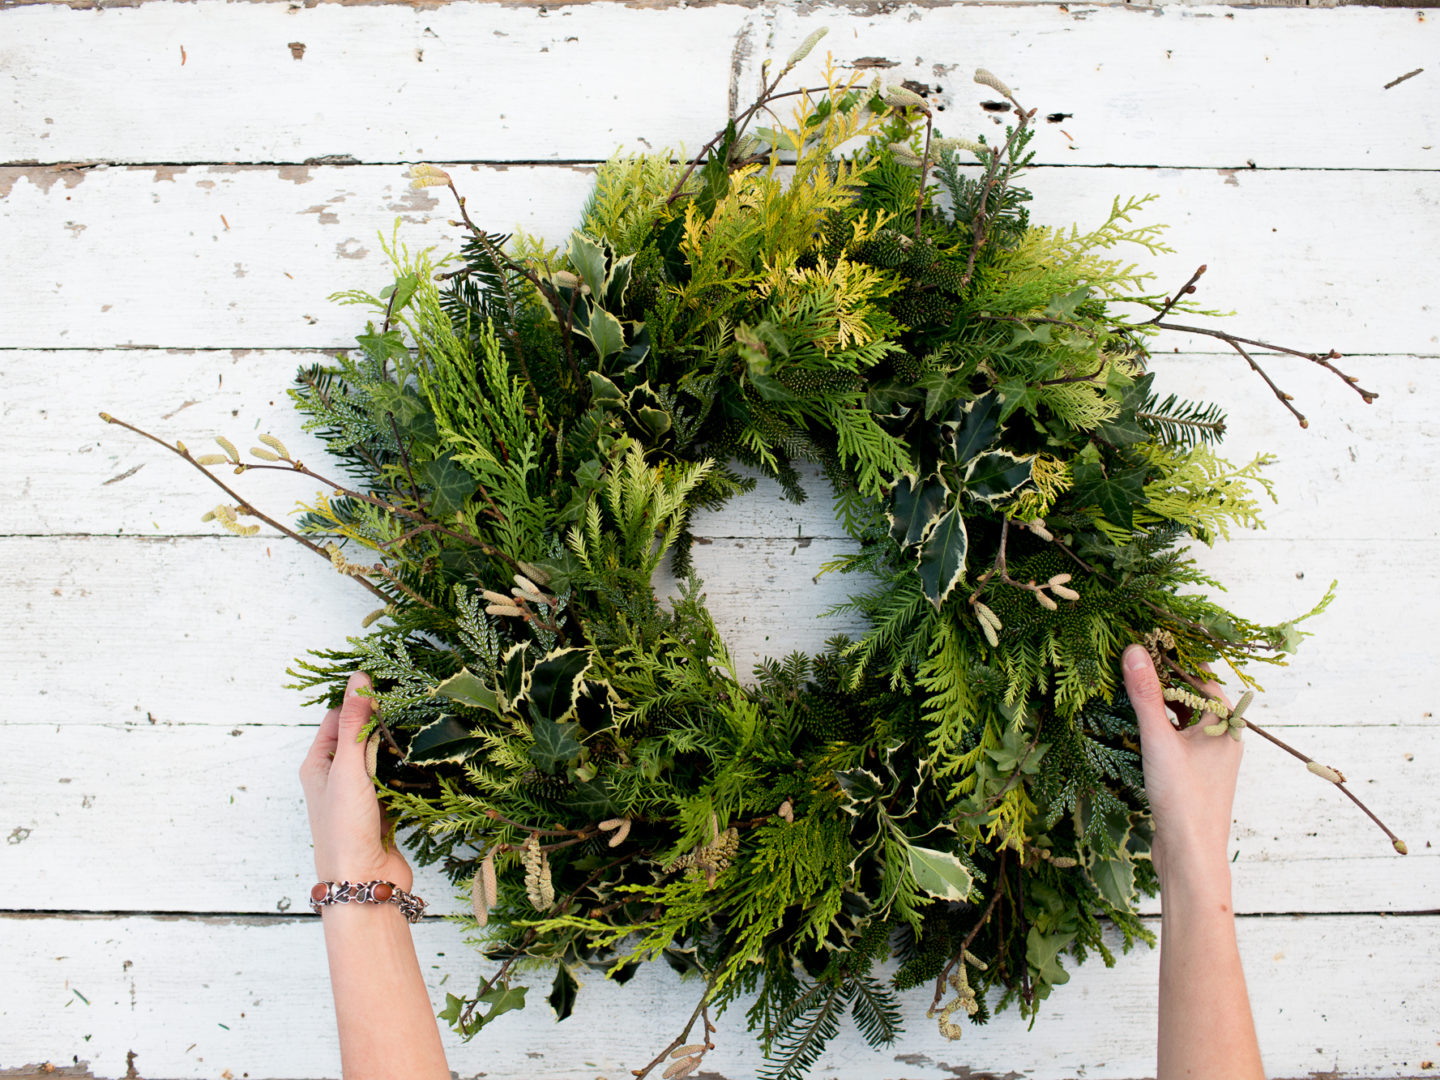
column 366, row 892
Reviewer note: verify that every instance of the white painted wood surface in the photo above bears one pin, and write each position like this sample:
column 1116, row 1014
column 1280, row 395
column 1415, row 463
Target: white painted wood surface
column 180, row 278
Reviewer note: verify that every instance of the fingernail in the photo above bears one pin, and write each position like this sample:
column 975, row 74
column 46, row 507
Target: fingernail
column 1136, row 658
column 357, row 679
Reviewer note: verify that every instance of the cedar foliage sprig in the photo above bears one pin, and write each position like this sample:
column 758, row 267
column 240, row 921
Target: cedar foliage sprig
column 527, row 437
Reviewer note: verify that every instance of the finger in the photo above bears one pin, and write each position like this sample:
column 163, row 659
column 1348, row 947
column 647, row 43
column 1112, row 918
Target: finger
column 1143, row 686
column 354, row 712
column 317, row 760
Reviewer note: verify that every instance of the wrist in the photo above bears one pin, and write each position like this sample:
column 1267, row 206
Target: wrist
column 1193, row 874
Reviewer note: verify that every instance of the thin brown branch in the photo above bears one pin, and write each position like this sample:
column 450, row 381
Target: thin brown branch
column 970, row 937
column 981, row 223
column 924, row 165
column 680, row 1039
column 244, row 504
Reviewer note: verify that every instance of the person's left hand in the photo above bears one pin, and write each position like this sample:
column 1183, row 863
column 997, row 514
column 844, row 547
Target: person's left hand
column 340, row 796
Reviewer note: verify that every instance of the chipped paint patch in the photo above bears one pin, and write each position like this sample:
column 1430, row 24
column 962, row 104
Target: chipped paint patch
column 43, row 176
column 1231, row 180
column 326, row 215
column 298, row 174
column 345, row 251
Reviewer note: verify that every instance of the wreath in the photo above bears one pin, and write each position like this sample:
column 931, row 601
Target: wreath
column 958, row 790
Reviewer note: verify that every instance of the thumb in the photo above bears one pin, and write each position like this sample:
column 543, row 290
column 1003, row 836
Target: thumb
column 1143, row 686
column 354, row 712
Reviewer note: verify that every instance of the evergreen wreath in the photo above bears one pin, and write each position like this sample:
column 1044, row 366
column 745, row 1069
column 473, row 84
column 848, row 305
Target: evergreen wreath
column 529, row 435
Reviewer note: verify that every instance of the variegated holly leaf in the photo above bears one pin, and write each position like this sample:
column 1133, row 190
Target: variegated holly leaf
column 915, row 506
column 861, row 786
column 1115, row 878
column 974, row 425
column 514, row 675
column 939, row 873
column 997, row 473
column 605, row 332
column 555, row 683
column 447, row 739
column 941, row 558
column 466, row 688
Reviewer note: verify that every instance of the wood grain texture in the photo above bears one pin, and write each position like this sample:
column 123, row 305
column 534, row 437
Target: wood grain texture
column 196, row 996
column 186, row 183
column 75, row 474
column 217, row 815
column 1169, row 85
column 230, row 256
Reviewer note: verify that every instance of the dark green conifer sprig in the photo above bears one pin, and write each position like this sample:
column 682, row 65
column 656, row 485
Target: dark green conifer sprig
column 528, row 436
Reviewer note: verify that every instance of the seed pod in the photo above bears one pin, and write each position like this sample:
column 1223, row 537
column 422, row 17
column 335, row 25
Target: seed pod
column 985, row 615
column 229, row 448
column 787, row 811
column 620, row 834
column 803, row 49
column 1059, row 579
column 1325, row 772
column 902, row 97
column 372, row 754
column 683, row 1067
column 263, row 454
column 1065, row 592
column 484, row 889
column 212, row 459
column 276, row 445
column 1038, row 528
column 209, row 515
column 1046, row 602
column 984, row 78
column 688, row 1049
column 990, row 635
column 1063, row 862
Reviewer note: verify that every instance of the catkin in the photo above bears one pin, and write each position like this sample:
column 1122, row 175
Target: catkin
column 276, row 445
column 984, row 78
column 1325, row 772
column 484, row 889
column 229, row 448
column 901, row 97
column 372, row 754
column 803, row 49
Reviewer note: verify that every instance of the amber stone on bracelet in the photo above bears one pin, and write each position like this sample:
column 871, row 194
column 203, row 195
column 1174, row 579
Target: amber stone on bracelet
column 318, row 892
column 383, row 892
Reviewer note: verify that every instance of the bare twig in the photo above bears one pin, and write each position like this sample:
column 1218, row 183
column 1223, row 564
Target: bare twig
column 974, row 931
column 679, row 1040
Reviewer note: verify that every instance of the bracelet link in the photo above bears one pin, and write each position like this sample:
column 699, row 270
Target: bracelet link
column 366, row 892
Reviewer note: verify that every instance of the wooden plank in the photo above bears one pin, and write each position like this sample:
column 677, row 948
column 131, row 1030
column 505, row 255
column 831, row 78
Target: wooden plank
column 246, row 256
column 1185, row 85
column 75, row 474
column 192, row 997
column 164, row 625
column 88, row 803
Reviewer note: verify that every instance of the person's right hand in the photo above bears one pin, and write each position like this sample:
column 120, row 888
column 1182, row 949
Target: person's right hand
column 1189, row 776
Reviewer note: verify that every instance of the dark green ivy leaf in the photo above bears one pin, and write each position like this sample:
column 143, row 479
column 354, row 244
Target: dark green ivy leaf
column 449, row 485
column 562, row 992
column 554, row 745
column 1116, row 496
column 592, row 799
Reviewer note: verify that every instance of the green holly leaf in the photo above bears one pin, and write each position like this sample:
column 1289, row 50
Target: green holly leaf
column 941, row 558
column 562, row 992
column 1116, row 496
column 449, row 485
column 466, row 688
column 1115, row 878
column 447, row 739
column 997, row 473
column 939, row 873
column 915, row 506
column 554, row 745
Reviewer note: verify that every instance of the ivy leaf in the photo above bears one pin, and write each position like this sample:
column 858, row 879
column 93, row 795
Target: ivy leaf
column 449, row 485
column 1116, row 496
column 915, row 506
column 1024, row 332
column 939, row 873
column 1115, row 878
column 383, row 347
column 403, row 289
column 466, row 688
column 554, row 745
column 1016, row 393
column 555, row 682
column 500, row 1000
column 1123, row 430
column 447, row 739
column 1063, row 307
column 1042, row 952
column 942, row 557
column 592, row 799
column 996, row 474
column 562, row 992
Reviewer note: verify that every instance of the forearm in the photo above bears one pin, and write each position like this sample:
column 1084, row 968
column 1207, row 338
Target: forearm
column 382, row 1009
column 1206, row 1029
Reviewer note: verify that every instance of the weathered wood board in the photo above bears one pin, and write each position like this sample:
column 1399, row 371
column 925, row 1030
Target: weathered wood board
column 184, row 184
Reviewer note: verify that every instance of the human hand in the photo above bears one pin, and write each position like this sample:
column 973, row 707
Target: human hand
column 340, row 797
column 1189, row 776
